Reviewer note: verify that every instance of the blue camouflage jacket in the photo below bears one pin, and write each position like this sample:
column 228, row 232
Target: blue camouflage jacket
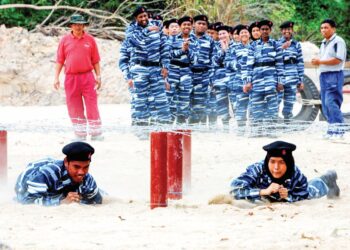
column 176, row 52
column 219, row 70
column 46, row 182
column 248, row 184
column 124, row 60
column 295, row 71
column 205, row 51
column 235, row 59
column 145, row 45
column 261, row 52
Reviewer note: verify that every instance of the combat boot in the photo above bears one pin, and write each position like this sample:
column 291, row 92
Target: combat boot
column 180, row 120
column 240, row 128
column 330, row 179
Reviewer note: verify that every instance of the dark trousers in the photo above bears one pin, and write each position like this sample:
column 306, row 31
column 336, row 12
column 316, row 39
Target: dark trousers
column 332, row 99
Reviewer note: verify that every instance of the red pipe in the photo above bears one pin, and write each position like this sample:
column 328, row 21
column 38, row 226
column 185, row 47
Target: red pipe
column 3, row 156
column 186, row 163
column 174, row 156
column 159, row 189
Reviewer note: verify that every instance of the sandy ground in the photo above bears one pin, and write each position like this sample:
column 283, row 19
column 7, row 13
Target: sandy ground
column 121, row 166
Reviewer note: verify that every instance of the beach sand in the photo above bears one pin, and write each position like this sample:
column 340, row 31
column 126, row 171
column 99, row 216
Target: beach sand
column 121, row 167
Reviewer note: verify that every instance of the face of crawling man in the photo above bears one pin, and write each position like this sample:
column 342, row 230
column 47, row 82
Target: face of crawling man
column 277, row 167
column 77, row 169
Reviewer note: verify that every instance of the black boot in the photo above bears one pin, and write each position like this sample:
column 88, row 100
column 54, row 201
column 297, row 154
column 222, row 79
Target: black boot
column 141, row 130
column 226, row 120
column 180, row 120
column 256, row 129
column 203, row 119
column 330, row 178
column 193, row 120
column 240, row 128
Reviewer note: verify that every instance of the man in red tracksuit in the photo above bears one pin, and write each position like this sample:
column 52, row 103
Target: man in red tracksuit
column 78, row 53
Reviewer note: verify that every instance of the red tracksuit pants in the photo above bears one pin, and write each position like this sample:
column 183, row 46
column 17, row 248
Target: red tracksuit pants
column 80, row 92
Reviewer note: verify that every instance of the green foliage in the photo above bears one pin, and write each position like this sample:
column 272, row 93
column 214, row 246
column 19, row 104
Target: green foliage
column 29, row 18
column 309, row 14
column 306, row 14
column 23, row 17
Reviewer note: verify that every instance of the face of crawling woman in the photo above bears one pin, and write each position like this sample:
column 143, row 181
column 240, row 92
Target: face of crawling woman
column 277, row 167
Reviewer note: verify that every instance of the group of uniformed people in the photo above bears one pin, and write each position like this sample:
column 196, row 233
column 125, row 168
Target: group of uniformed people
column 188, row 70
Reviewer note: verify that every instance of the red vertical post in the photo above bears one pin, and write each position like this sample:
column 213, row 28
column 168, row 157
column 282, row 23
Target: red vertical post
column 159, row 183
column 174, row 156
column 186, row 163
column 3, row 156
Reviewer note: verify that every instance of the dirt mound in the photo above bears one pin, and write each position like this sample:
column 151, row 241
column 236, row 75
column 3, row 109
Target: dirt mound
column 27, row 66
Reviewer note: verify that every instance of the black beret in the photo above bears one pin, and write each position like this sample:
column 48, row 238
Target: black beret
column 217, row 25
column 150, row 15
column 201, row 18
column 223, row 27
column 253, row 25
column 265, row 22
column 185, row 19
column 287, row 24
column 165, row 23
column 279, row 148
column 231, row 30
column 240, row 27
column 78, row 151
column 173, row 20
column 210, row 26
column 139, row 10
column 234, row 28
column 330, row 22
column 158, row 17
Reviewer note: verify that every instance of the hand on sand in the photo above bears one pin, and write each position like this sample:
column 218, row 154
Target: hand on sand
column 71, row 197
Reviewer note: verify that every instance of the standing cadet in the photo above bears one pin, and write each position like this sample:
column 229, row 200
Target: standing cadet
column 264, row 75
column 293, row 69
column 235, row 60
column 254, row 31
column 124, row 65
column 212, row 32
column 235, row 34
column 332, row 61
column 52, row 182
column 79, row 55
column 221, row 78
column 183, row 51
column 201, row 70
column 149, row 63
column 166, row 27
column 173, row 27
column 211, row 98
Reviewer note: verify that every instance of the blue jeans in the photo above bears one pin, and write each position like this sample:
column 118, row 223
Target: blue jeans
column 332, row 99
column 317, row 188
